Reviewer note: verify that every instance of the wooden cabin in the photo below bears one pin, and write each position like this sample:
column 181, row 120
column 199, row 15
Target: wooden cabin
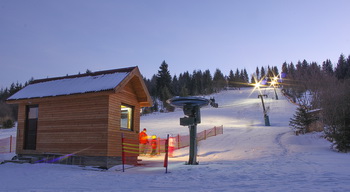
column 81, row 117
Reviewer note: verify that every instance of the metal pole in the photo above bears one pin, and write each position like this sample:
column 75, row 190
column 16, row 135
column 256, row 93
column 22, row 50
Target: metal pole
column 275, row 93
column 266, row 117
column 193, row 145
column 262, row 101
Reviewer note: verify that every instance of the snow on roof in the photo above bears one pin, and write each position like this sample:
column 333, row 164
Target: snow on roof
column 68, row 86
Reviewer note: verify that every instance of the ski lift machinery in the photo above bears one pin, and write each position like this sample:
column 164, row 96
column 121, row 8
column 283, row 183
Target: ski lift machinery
column 191, row 108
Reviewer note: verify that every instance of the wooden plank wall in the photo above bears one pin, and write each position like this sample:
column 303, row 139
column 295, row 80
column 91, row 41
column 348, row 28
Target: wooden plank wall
column 127, row 96
column 65, row 126
column 20, row 127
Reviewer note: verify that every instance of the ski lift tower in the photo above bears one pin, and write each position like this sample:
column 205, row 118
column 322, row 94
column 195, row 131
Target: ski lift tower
column 191, row 108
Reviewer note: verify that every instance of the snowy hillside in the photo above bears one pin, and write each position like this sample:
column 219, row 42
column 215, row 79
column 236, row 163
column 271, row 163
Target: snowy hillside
column 247, row 157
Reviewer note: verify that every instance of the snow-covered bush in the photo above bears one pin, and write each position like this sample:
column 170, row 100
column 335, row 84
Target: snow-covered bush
column 7, row 123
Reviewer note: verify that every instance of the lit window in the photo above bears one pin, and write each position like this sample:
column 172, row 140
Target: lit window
column 126, row 118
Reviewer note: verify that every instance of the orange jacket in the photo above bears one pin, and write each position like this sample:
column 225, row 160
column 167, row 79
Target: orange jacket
column 143, row 137
column 154, row 143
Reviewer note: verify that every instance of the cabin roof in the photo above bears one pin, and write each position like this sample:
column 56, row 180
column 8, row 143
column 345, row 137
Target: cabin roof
column 74, row 84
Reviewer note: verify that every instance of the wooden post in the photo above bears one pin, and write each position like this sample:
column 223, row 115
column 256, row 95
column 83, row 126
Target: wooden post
column 158, row 145
column 178, row 141
column 205, row 134
column 123, row 153
column 10, row 143
column 166, row 157
column 215, row 131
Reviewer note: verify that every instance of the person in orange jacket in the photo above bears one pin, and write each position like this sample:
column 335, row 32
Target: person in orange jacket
column 154, row 145
column 143, row 139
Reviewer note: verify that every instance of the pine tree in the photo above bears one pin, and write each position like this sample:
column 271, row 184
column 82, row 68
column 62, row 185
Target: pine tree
column 245, row 75
column 348, row 67
column 257, row 73
column 219, row 80
column 269, row 72
column 175, row 86
column 284, row 71
column 301, row 120
column 236, row 79
column 231, row 79
column 185, row 82
column 197, row 84
column 163, row 83
column 252, row 80
column 207, row 82
column 341, row 69
column 327, row 67
column 291, row 70
column 275, row 71
column 262, row 73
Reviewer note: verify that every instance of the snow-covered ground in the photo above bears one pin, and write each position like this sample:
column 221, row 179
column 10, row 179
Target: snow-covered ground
column 247, row 157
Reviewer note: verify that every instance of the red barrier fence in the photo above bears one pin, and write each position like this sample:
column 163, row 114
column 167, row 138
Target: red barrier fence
column 131, row 147
column 8, row 145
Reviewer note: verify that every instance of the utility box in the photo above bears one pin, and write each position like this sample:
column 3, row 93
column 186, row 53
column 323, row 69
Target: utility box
column 187, row 121
column 192, row 111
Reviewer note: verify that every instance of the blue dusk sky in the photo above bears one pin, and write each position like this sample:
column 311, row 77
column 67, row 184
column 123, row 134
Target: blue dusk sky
column 50, row 38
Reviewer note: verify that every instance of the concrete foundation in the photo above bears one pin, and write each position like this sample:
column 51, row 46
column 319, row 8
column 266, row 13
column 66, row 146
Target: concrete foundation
column 102, row 162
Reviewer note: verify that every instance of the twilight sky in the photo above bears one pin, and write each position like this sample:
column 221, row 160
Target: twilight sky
column 49, row 38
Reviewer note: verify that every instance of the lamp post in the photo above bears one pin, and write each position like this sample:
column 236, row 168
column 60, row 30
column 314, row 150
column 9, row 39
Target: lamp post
column 273, row 83
column 274, row 88
column 257, row 86
column 191, row 108
column 266, row 117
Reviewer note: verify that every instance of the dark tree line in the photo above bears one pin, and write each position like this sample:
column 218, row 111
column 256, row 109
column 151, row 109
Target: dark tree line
column 162, row 86
column 326, row 88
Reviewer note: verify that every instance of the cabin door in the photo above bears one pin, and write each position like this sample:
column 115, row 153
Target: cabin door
column 31, row 127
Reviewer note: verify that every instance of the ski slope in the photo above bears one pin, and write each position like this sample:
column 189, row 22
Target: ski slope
column 249, row 156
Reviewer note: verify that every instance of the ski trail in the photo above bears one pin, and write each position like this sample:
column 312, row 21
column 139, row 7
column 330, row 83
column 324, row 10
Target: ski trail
column 278, row 141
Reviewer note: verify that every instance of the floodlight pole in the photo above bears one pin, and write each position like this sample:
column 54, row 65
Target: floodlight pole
column 266, row 117
column 274, row 88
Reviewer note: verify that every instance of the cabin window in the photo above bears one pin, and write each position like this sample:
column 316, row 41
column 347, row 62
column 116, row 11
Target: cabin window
column 126, row 119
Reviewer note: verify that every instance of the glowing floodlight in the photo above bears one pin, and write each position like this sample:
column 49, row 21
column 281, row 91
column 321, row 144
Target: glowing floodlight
column 191, row 108
column 273, row 83
column 257, row 85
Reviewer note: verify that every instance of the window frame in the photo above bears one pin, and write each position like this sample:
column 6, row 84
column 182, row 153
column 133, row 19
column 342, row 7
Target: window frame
column 130, row 119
